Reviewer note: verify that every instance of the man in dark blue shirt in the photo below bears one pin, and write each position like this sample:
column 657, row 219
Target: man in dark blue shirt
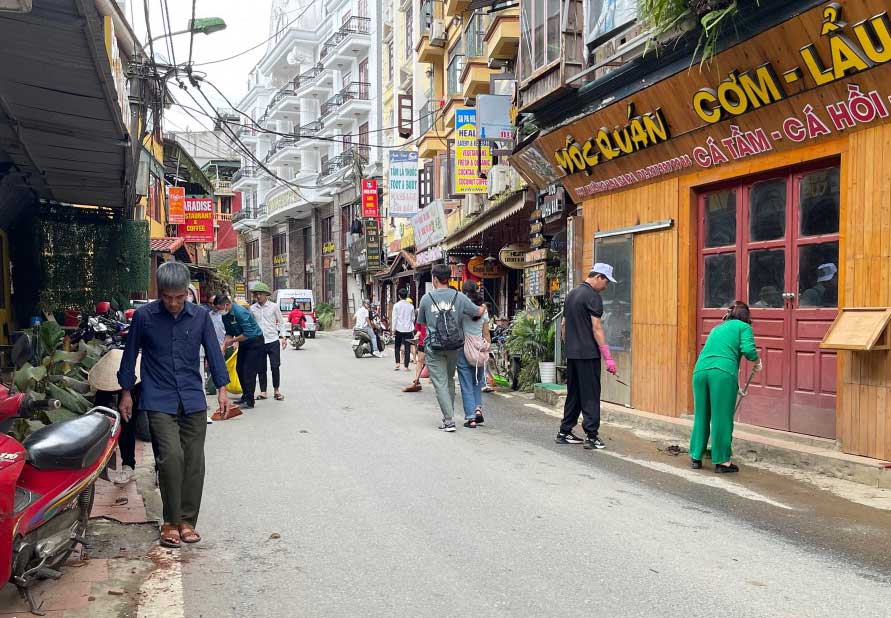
column 170, row 333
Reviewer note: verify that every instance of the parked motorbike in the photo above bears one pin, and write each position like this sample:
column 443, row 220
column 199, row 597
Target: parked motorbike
column 386, row 333
column 47, row 488
column 503, row 366
column 362, row 342
column 297, row 338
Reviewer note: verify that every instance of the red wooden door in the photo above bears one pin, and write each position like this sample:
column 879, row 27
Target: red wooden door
column 773, row 243
column 815, row 302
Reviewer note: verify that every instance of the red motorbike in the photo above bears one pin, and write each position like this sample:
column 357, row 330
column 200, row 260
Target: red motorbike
column 47, row 485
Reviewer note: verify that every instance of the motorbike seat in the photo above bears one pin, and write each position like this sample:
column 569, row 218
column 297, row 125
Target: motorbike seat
column 69, row 445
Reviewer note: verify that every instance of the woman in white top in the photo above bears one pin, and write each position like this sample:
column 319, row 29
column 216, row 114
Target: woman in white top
column 472, row 375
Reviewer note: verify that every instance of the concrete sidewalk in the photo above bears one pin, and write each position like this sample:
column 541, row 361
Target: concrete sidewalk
column 750, row 443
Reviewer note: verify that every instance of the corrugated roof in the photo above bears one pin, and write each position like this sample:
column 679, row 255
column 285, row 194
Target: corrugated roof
column 168, row 244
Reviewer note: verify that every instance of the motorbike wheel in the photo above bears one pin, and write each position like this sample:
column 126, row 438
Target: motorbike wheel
column 300, row 343
column 359, row 351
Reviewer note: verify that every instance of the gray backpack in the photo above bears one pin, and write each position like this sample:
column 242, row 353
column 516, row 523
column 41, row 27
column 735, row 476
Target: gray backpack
column 446, row 334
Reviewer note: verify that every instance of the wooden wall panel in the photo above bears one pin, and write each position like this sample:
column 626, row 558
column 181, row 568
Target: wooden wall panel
column 864, row 411
column 655, row 290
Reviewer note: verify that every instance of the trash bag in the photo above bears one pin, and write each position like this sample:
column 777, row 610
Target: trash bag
column 234, row 385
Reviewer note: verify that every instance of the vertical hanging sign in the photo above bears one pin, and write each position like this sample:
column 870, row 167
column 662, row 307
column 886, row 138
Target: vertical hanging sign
column 472, row 159
column 403, row 183
column 176, row 202
column 370, row 209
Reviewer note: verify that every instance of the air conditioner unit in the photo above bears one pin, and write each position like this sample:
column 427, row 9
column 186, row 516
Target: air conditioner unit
column 473, row 204
column 499, row 180
column 437, row 33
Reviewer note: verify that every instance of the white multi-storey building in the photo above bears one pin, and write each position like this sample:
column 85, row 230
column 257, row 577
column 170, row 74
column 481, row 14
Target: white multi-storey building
column 315, row 104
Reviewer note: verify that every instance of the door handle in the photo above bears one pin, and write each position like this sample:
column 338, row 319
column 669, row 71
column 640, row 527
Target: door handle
column 789, row 295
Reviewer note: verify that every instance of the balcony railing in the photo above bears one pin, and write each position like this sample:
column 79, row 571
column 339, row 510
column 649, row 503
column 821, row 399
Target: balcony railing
column 355, row 91
column 244, row 172
column 282, row 142
column 427, row 116
column 345, row 159
column 354, row 25
column 222, row 185
column 308, row 77
column 245, row 214
column 287, row 90
column 310, row 130
column 224, row 216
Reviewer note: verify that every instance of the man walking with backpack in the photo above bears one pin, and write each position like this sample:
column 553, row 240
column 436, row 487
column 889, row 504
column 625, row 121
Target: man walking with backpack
column 442, row 312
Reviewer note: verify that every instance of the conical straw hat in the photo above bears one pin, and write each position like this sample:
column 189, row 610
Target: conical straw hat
column 104, row 374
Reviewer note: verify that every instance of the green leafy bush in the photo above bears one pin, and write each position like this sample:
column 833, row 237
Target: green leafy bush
column 325, row 315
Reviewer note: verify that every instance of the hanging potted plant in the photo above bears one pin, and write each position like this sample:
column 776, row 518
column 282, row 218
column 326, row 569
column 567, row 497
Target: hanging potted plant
column 664, row 17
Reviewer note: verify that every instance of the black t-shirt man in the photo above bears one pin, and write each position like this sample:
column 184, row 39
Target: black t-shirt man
column 582, row 303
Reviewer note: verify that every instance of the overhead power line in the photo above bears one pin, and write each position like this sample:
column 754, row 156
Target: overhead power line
column 261, row 43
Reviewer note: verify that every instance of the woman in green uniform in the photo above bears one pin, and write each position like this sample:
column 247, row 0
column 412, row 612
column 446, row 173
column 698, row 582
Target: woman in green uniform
column 715, row 386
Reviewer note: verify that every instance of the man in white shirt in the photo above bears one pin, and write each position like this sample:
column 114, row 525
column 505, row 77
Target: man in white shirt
column 363, row 323
column 270, row 320
column 403, row 324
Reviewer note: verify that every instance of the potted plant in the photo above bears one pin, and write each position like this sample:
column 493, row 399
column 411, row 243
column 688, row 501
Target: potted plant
column 532, row 339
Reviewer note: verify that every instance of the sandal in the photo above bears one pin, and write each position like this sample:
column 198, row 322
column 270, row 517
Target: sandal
column 470, row 423
column 279, row 397
column 479, row 417
column 261, row 397
column 414, row 387
column 170, row 537
column 188, row 535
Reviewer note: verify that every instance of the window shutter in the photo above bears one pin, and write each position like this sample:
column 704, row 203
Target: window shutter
column 406, row 111
column 425, row 180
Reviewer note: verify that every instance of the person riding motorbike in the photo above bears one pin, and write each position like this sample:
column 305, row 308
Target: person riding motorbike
column 297, row 320
column 364, row 323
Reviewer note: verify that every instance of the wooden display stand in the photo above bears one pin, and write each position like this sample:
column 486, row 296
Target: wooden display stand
column 859, row 328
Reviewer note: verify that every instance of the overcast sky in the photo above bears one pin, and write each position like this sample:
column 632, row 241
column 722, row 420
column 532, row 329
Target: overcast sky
column 247, row 25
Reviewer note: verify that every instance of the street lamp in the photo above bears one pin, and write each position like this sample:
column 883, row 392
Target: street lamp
column 202, row 25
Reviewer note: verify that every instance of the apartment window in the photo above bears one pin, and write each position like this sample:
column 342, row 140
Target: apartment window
column 426, row 16
column 453, row 71
column 348, row 214
column 603, row 18
column 474, row 35
column 252, row 256
column 154, row 198
column 280, row 261
column 390, row 60
column 279, row 244
column 327, row 229
column 409, row 29
column 364, row 149
column 540, row 35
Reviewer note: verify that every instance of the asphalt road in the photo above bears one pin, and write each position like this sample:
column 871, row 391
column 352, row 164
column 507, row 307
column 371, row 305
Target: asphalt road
column 344, row 501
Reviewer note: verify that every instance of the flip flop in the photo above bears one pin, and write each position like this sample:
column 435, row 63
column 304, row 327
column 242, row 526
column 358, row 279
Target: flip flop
column 261, row 397
column 279, row 397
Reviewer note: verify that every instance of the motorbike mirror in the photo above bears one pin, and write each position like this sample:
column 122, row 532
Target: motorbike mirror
column 22, row 351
